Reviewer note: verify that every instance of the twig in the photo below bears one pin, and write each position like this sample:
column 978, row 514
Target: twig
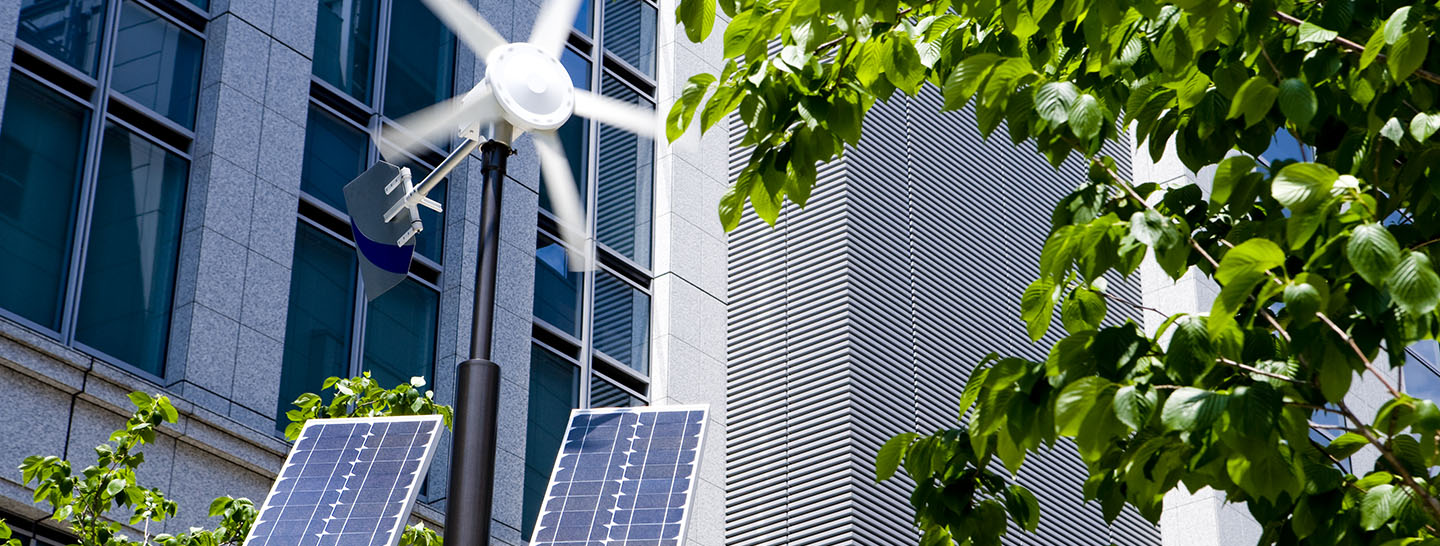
column 1356, row 348
column 1319, row 426
column 1430, row 501
column 1255, row 370
column 1135, row 305
column 1351, row 45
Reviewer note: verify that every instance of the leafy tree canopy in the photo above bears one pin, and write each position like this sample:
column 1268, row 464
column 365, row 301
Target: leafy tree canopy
column 1325, row 264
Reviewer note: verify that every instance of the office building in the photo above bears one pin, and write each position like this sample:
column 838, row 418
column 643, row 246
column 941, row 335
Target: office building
column 172, row 221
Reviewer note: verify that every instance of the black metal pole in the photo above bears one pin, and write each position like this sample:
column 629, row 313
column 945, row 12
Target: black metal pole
column 477, row 381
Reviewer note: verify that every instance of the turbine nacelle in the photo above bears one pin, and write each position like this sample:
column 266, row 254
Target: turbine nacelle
column 531, row 86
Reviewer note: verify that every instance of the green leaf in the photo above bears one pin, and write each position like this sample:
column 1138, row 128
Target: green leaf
column 1377, row 507
column 1148, row 226
column 1346, row 445
column 114, row 487
column 1252, row 257
column 1373, row 252
column 1053, row 100
column 1335, row 377
column 141, row 400
column 1190, row 409
column 887, row 460
column 1303, row 300
column 1085, row 117
column 741, row 31
column 901, row 63
column 1393, row 131
column 1297, row 101
column 1423, row 125
column 1075, row 401
column 1395, row 24
column 1253, row 100
column 698, row 16
column 1082, row 311
column 966, row 79
column 1023, row 507
column 1300, row 186
column 1133, row 407
column 1408, row 53
column 1312, row 33
column 1190, row 353
column 1414, row 284
column 1373, row 47
column 1037, row 305
column 683, row 111
column 1228, row 175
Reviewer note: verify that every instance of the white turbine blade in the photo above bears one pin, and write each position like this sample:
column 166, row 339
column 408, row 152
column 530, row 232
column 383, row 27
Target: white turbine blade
column 468, row 25
column 625, row 115
column 416, row 130
column 560, row 186
column 552, row 25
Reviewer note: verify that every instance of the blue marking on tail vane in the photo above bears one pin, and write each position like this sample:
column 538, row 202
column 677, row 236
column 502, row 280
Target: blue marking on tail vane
column 386, row 256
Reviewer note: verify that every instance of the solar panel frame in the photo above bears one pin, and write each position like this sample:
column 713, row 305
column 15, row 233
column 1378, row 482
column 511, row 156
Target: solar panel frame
column 570, row 429
column 412, row 490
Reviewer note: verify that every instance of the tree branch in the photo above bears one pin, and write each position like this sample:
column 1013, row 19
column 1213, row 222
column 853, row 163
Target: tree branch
column 1351, row 45
column 1259, row 371
column 1356, row 348
column 1431, row 503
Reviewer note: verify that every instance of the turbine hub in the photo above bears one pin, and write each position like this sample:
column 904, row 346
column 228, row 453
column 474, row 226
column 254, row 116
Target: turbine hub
column 531, row 86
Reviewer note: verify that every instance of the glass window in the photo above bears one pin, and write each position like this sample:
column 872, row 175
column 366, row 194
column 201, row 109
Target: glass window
column 630, row 33
column 625, row 179
column 558, row 289
column 421, row 59
column 604, row 394
column 622, row 321
column 321, row 317
column 67, row 30
column 41, row 154
column 335, row 153
column 574, row 135
column 582, row 24
column 400, row 334
column 554, row 391
column 1422, row 370
column 345, row 45
column 129, row 278
column 157, row 64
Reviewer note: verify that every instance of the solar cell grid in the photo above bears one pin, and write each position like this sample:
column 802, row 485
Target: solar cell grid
column 348, row 482
column 623, row 477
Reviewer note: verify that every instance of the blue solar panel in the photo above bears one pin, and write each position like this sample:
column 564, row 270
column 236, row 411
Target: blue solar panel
column 623, row 477
column 348, row 482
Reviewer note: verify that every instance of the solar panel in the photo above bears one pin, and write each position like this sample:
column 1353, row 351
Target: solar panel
column 623, row 477
column 348, row 482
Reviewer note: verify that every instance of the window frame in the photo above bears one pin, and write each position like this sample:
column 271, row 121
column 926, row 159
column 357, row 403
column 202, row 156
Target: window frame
column 581, row 351
column 104, row 105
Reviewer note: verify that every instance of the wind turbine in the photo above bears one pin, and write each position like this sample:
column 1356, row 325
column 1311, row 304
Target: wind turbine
column 525, row 89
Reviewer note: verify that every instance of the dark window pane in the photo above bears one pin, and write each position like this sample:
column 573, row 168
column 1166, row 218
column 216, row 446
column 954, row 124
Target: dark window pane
column 557, row 288
column 335, row 153
column 157, row 64
column 321, row 317
column 604, row 394
column 67, row 30
column 345, row 45
column 400, row 334
column 622, row 321
column 630, row 33
column 421, row 59
column 625, row 180
column 40, row 165
column 574, row 135
column 134, row 241
column 202, row 4
column 554, row 391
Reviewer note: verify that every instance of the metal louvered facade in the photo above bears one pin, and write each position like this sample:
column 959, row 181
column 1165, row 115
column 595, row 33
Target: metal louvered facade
column 862, row 316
